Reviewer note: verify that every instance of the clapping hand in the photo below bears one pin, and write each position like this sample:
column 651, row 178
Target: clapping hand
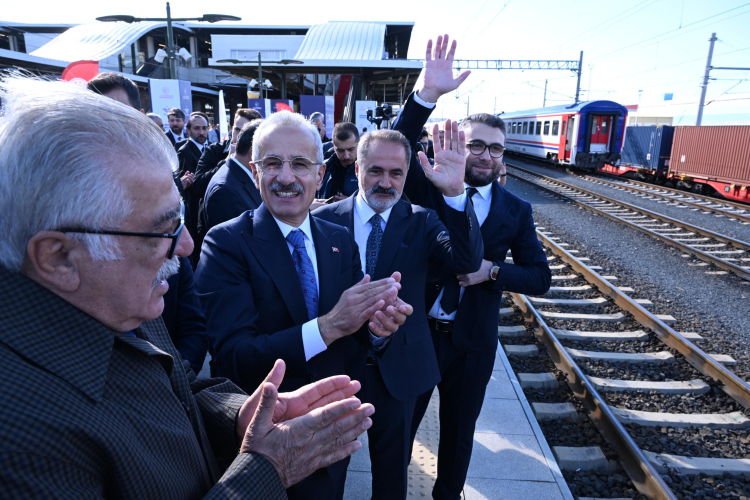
column 387, row 320
column 438, row 71
column 450, row 161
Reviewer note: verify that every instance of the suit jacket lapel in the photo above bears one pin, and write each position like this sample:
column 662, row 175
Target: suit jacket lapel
column 327, row 251
column 345, row 211
column 273, row 254
column 393, row 238
column 246, row 181
column 497, row 212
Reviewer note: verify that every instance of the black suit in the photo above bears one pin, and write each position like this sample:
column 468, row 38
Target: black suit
column 183, row 317
column 188, row 156
column 174, row 143
column 466, row 355
column 414, row 239
column 208, row 164
column 250, row 291
column 229, row 193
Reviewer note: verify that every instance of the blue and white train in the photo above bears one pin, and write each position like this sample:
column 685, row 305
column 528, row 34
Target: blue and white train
column 587, row 135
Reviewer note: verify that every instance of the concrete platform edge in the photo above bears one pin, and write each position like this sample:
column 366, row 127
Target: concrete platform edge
column 551, row 462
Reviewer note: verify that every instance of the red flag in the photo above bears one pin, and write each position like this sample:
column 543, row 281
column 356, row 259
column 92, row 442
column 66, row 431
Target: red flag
column 80, row 72
column 280, row 106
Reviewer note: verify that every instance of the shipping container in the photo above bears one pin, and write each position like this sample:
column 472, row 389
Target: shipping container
column 716, row 156
column 647, row 147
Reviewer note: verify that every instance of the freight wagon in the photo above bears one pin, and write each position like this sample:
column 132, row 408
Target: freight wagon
column 587, row 135
column 711, row 159
column 645, row 153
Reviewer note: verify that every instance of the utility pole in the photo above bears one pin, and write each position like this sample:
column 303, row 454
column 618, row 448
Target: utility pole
column 467, row 105
column 544, row 104
column 704, row 86
column 494, row 108
column 578, row 84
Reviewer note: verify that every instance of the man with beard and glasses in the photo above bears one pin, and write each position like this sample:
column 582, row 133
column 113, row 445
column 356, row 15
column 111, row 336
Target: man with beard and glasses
column 396, row 236
column 276, row 282
column 96, row 402
column 464, row 308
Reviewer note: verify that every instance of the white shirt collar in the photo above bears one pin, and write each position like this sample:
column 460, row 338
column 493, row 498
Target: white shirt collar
column 483, row 191
column 200, row 146
column 176, row 136
column 304, row 227
column 365, row 211
column 247, row 171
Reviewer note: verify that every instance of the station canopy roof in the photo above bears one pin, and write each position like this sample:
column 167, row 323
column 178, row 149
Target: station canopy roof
column 337, row 47
column 97, row 41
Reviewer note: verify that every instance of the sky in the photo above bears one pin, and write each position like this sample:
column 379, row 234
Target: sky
column 635, row 51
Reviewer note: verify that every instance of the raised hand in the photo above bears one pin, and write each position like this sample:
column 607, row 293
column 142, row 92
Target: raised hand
column 450, row 161
column 298, row 447
column 294, row 404
column 438, row 70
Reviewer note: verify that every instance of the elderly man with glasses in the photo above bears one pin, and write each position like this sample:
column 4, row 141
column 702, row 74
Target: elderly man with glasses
column 96, row 401
column 276, row 282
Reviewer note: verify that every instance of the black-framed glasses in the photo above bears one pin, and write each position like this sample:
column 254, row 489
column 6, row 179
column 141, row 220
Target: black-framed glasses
column 273, row 165
column 478, row 147
column 175, row 237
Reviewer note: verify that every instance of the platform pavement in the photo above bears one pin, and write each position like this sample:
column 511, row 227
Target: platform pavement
column 510, row 459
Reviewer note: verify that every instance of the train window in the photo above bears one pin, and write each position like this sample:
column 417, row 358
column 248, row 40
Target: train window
column 538, row 128
column 513, row 128
column 555, row 127
column 605, row 129
column 546, row 128
column 525, row 128
column 565, row 122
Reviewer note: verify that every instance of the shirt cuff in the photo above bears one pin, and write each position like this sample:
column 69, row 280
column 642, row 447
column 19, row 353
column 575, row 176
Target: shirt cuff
column 312, row 340
column 457, row 203
column 379, row 343
column 428, row 105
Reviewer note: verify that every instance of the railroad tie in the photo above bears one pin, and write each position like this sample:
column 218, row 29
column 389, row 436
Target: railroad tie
column 623, row 357
column 696, row 386
column 606, row 318
column 735, row 420
column 665, row 463
column 636, row 336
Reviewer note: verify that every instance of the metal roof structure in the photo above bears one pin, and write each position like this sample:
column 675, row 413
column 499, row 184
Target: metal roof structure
column 97, row 41
column 344, row 41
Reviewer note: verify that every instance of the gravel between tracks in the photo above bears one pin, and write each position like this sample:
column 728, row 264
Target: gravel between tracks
column 716, row 307
column 709, row 221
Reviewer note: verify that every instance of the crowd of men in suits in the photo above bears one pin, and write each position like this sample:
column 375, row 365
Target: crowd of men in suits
column 378, row 271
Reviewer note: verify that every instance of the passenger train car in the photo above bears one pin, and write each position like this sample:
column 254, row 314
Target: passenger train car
column 586, row 135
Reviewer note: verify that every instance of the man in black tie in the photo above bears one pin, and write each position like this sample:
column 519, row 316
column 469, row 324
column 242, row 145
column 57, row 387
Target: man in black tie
column 464, row 309
column 394, row 235
column 176, row 118
column 276, row 282
column 188, row 156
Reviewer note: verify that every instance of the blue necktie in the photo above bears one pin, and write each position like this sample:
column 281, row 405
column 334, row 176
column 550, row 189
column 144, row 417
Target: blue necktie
column 305, row 272
column 373, row 244
column 452, row 290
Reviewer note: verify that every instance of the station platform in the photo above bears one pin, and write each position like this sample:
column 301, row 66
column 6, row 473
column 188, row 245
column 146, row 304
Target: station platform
column 510, row 459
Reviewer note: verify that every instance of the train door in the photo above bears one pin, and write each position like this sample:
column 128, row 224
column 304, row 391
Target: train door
column 570, row 138
column 600, row 131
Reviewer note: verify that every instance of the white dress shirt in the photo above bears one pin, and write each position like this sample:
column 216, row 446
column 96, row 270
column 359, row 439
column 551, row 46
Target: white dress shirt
column 312, row 340
column 177, row 137
column 482, row 200
column 200, row 146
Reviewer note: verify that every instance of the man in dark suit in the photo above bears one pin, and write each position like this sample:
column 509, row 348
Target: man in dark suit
column 188, row 156
column 311, row 309
column 392, row 236
column 464, row 309
column 175, row 134
column 232, row 190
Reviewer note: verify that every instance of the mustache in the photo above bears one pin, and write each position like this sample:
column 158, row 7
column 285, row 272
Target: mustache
column 295, row 187
column 379, row 190
column 169, row 268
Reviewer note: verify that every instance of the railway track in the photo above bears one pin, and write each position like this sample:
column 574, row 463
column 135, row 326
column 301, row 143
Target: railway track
column 733, row 211
column 653, row 344
column 724, row 252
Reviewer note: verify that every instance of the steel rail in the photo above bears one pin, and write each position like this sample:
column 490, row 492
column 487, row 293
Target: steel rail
column 704, row 256
column 707, row 199
column 643, row 474
column 718, row 210
column 704, row 363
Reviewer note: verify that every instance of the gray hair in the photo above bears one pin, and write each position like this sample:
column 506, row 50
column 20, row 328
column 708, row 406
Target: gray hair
column 286, row 119
column 62, row 151
column 153, row 116
column 317, row 116
column 383, row 135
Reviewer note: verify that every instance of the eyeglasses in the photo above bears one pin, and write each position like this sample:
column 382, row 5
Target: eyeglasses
column 273, row 165
column 478, row 147
column 175, row 237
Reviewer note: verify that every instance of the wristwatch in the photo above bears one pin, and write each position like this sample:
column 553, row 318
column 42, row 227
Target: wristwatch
column 494, row 271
